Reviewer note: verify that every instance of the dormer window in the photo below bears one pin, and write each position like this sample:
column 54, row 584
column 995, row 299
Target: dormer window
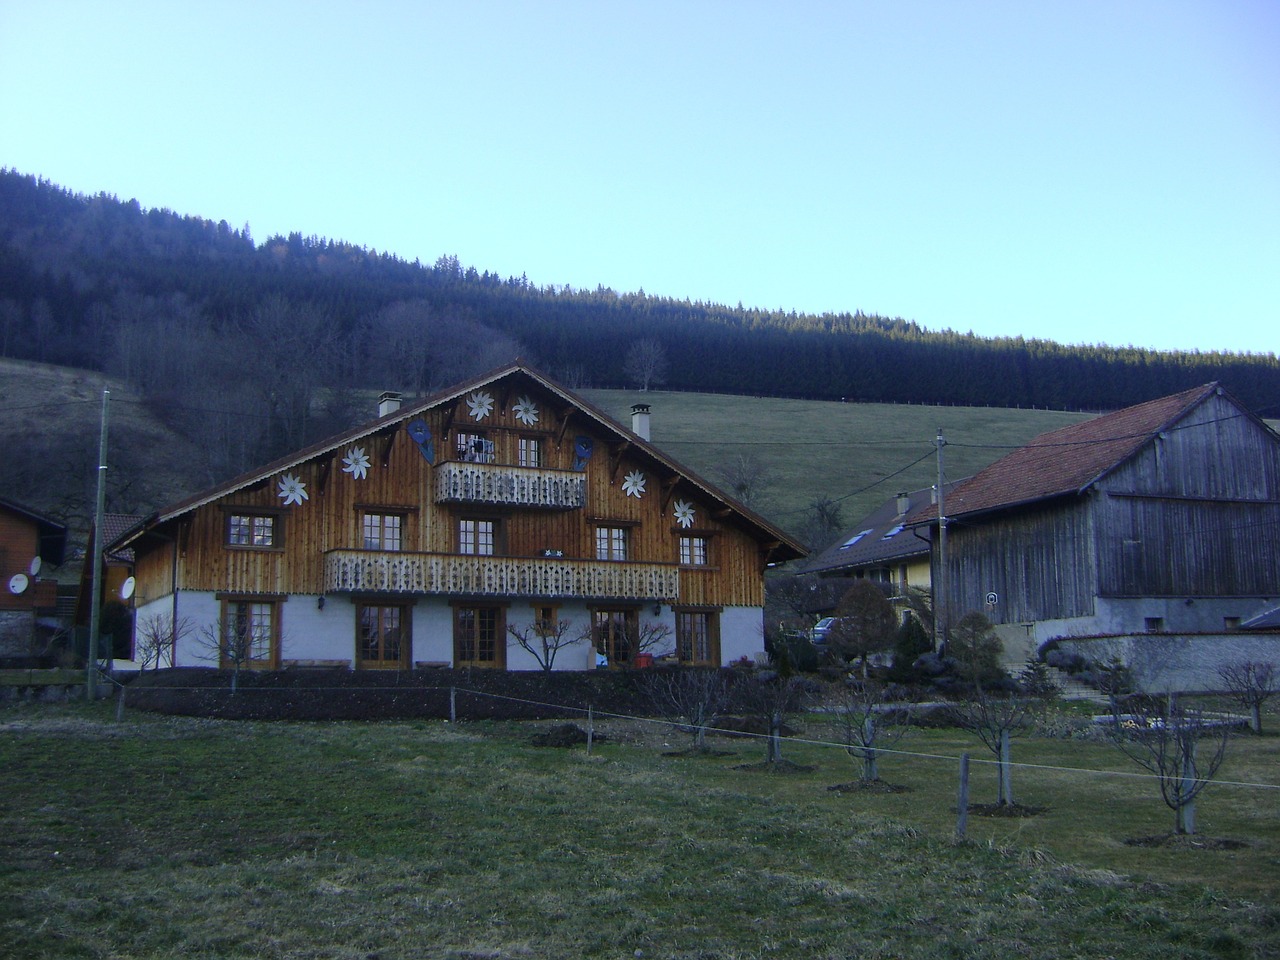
column 854, row 539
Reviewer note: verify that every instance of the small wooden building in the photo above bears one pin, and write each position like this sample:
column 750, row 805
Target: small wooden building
column 1159, row 518
column 30, row 543
column 423, row 536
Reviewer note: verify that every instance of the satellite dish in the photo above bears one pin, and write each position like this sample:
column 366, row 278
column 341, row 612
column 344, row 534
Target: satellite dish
column 34, row 568
column 18, row 583
column 126, row 588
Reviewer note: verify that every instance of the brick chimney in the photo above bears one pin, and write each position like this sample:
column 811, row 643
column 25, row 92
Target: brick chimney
column 640, row 420
column 389, row 402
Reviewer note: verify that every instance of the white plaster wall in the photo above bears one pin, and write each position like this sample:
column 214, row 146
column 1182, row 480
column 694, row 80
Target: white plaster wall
column 202, row 611
column 742, row 634
column 432, row 632
column 309, row 633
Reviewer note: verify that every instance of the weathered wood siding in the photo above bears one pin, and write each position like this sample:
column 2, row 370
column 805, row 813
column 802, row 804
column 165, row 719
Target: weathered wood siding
column 400, row 480
column 1039, row 564
column 1195, row 513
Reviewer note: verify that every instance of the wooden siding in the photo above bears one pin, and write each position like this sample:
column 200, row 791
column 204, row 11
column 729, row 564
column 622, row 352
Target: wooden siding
column 1215, row 452
column 1160, row 547
column 400, row 480
column 1038, row 563
column 19, row 542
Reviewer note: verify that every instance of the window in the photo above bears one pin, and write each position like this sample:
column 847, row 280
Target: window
column 613, row 632
column 474, row 448
column 698, row 637
column 1154, row 624
column 530, row 452
column 479, row 637
column 693, row 551
column 477, row 537
column 249, row 634
column 382, row 636
column 611, row 543
column 383, row 531
column 545, row 617
column 1230, row 623
column 252, row 530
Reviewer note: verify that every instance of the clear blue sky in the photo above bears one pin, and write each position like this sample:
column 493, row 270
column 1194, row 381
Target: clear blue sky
column 1086, row 172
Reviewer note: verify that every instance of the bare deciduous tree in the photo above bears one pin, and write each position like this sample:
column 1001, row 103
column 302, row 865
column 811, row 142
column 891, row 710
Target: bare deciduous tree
column 1251, row 684
column 1179, row 745
column 690, row 697
column 646, row 363
column 772, row 697
column 544, row 639
column 867, row 725
column 748, row 479
column 156, row 638
column 994, row 717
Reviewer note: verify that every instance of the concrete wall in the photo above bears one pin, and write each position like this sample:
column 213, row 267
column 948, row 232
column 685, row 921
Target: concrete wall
column 1164, row 663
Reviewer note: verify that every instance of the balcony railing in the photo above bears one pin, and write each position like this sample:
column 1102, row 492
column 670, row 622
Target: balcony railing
column 359, row 571
column 498, row 484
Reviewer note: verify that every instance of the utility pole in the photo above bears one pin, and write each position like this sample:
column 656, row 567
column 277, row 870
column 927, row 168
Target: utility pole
column 95, row 607
column 940, row 586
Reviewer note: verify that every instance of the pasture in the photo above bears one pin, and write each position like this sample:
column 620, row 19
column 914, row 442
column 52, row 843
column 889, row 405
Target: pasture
column 154, row 837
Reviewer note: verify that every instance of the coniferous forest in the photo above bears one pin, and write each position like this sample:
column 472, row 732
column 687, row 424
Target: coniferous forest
column 191, row 310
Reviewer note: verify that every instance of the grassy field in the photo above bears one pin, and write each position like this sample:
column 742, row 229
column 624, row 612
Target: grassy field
column 168, row 837
column 852, row 452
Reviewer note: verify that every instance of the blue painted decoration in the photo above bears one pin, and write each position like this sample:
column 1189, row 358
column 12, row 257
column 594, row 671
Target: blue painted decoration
column 421, row 435
column 582, row 448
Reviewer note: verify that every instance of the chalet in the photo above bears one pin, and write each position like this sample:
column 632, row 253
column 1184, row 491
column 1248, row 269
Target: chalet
column 30, row 543
column 423, row 536
column 1162, row 518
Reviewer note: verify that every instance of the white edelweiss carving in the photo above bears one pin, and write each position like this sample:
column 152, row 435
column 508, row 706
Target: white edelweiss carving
column 633, row 484
column 356, row 463
column 684, row 513
column 480, row 404
column 292, row 490
column 526, row 411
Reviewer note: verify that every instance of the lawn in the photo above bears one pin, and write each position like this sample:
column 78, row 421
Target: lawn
column 165, row 837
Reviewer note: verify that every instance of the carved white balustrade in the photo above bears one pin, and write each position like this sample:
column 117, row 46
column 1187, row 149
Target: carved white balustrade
column 491, row 483
column 369, row 571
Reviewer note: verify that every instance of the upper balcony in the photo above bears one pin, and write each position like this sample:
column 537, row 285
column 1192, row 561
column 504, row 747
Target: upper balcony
column 360, row 571
column 501, row 485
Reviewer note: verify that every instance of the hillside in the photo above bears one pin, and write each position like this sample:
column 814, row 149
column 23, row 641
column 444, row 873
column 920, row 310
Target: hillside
column 848, row 452
column 183, row 304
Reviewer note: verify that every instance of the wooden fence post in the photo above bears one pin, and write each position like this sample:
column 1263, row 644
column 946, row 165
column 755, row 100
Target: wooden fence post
column 591, row 727
column 453, row 704
column 962, row 798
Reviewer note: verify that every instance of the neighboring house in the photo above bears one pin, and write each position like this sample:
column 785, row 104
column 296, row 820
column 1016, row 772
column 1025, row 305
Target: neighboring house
column 881, row 547
column 421, row 537
column 30, row 544
column 1159, row 518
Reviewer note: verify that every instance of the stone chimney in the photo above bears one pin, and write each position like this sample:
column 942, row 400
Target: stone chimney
column 389, row 402
column 904, row 504
column 640, row 420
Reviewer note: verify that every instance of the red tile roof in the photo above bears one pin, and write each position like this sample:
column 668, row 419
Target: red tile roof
column 1070, row 459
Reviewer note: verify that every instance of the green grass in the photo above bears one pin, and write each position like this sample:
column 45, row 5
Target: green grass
column 846, row 451
column 163, row 837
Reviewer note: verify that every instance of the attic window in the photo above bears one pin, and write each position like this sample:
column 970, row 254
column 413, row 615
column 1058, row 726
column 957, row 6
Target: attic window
column 854, row 539
column 893, row 532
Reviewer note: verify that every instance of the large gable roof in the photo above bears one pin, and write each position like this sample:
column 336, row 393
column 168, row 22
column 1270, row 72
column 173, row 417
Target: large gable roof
column 1071, row 459
column 785, row 547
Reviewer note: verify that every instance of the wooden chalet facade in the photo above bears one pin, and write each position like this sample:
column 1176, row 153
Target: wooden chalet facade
column 28, row 542
column 1159, row 518
column 423, row 536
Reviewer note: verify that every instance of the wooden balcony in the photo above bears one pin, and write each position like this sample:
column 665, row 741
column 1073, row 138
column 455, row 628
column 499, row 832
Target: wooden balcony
column 368, row 571
column 508, row 486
